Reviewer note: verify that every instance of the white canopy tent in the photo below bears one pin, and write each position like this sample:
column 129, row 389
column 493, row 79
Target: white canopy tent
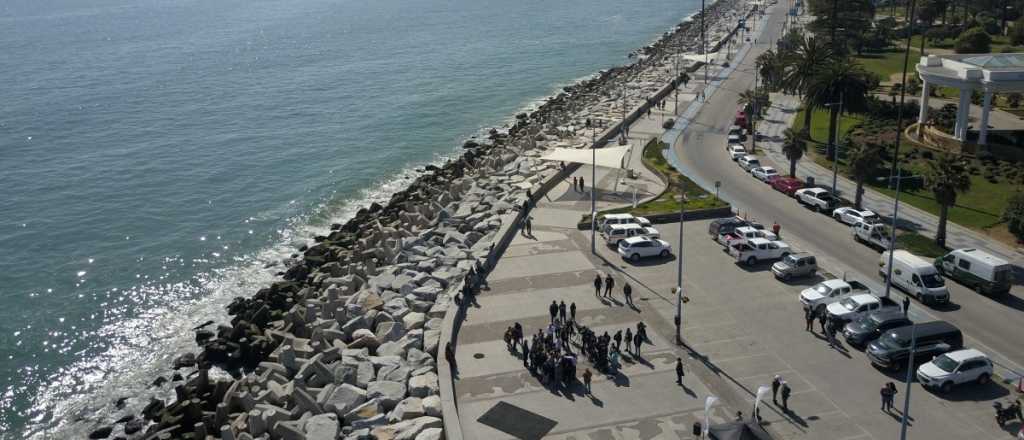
column 613, row 157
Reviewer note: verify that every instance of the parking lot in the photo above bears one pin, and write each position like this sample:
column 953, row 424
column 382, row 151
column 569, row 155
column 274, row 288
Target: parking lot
column 744, row 326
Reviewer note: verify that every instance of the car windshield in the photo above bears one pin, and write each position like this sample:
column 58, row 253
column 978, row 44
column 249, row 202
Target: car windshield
column 848, row 304
column 822, row 289
column 870, row 218
column 892, row 340
column 790, row 260
column 866, row 323
column 932, row 280
column 945, row 363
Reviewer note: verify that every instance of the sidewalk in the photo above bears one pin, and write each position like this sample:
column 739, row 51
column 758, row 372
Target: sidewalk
column 780, row 116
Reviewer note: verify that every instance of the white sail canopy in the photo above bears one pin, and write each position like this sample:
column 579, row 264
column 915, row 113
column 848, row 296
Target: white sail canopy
column 606, row 157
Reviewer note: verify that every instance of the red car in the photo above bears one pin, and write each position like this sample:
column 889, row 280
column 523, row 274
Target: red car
column 741, row 119
column 787, row 185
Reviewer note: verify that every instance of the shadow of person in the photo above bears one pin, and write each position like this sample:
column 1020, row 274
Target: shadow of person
column 688, row 391
column 597, row 402
column 620, row 380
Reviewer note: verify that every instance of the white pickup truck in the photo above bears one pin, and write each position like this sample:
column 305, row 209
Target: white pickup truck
column 758, row 249
column 819, row 199
column 854, row 307
column 827, row 292
column 744, row 233
column 875, row 235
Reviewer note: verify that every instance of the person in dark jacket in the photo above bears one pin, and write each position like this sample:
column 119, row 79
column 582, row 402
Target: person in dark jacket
column 627, row 290
column 597, row 284
column 572, row 312
column 906, row 305
column 561, row 311
column 679, row 371
column 809, row 317
column 609, row 284
column 785, row 396
column 776, row 383
column 553, row 310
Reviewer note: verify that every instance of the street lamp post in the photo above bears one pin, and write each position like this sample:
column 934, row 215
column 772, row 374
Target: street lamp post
column 834, row 143
column 679, row 268
column 704, row 44
column 593, row 185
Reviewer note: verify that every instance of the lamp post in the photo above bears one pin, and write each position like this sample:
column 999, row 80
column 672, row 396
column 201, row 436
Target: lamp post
column 679, row 268
column 704, row 43
column 593, row 185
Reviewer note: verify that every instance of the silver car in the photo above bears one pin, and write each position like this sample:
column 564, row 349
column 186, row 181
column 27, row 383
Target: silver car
column 796, row 265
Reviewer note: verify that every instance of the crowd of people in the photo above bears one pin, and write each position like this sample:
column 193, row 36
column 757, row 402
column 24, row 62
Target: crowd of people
column 553, row 351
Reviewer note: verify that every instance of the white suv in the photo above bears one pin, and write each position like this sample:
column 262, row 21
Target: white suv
column 635, row 248
column 749, row 162
column 954, row 368
column 736, row 151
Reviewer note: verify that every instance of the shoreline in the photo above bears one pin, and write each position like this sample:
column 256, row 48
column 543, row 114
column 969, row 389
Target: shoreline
column 368, row 296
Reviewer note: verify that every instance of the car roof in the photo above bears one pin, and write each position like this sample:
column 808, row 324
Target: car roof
column 888, row 315
column 983, row 256
column 637, row 239
column 749, row 157
column 801, row 255
column 965, row 354
column 734, row 146
column 759, row 240
column 618, row 216
column 833, row 283
column 862, row 298
column 625, row 226
column 766, row 168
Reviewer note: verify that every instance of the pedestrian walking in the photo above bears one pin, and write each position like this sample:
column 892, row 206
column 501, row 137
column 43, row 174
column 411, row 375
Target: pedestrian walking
column 618, row 339
column 641, row 330
column 679, row 371
column 785, row 395
column 776, row 383
column 609, row 284
column 597, row 285
column 627, row 290
column 526, row 354
column 892, row 394
column 629, row 338
column 508, row 339
column 572, row 312
column 776, row 227
column 581, row 184
column 637, row 339
column 561, row 311
column 575, row 184
column 553, row 310
column 587, row 375
column 449, row 355
column 822, row 317
column 809, row 317
column 906, row 305
column 884, row 392
column 830, row 333
column 529, row 225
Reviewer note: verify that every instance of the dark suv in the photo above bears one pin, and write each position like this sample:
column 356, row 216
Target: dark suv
column 868, row 328
column 892, row 349
column 725, row 226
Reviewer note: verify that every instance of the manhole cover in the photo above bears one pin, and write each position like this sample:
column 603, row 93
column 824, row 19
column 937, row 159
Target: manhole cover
column 478, row 356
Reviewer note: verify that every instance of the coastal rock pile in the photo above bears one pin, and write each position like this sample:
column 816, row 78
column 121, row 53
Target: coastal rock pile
column 344, row 346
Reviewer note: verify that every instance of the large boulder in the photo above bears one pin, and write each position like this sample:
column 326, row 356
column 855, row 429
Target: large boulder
column 344, row 398
column 322, row 427
column 431, row 434
column 409, row 408
column 432, row 406
column 390, row 331
column 366, row 411
column 389, row 393
column 423, row 385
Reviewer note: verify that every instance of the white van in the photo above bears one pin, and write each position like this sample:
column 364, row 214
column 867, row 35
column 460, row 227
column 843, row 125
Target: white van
column 613, row 233
column 978, row 270
column 620, row 219
column 915, row 276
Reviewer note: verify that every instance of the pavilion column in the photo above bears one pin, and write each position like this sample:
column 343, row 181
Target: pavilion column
column 962, row 111
column 926, row 90
column 986, row 105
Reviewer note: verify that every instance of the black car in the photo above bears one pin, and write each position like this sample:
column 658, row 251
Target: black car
column 892, row 350
column 868, row 328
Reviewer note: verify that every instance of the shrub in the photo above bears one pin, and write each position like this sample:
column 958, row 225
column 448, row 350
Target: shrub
column 973, row 40
column 1013, row 99
column 1017, row 32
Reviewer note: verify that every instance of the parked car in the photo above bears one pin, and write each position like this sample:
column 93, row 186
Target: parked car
column 723, row 225
column 613, row 233
column 916, row 276
column 955, row 368
column 740, row 119
column 827, row 292
column 620, row 219
column 869, row 327
column 856, row 306
column 764, row 174
column 738, row 131
column 978, row 270
column 749, row 162
column 851, row 216
column 819, row 199
column 796, row 265
column 743, row 233
column 875, row 235
column 758, row 249
column 635, row 248
column 734, row 138
column 892, row 349
column 736, row 151
column 787, row 185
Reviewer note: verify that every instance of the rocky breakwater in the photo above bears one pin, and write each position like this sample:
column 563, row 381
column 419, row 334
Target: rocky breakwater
column 344, row 346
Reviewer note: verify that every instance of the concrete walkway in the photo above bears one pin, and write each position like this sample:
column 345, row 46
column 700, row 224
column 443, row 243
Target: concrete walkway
column 780, row 116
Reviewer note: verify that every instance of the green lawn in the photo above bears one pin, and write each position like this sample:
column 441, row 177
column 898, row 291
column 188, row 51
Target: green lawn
column 919, row 245
column 667, row 202
column 890, row 62
column 979, row 208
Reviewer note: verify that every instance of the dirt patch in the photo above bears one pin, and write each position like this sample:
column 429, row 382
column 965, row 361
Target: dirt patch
column 1002, row 234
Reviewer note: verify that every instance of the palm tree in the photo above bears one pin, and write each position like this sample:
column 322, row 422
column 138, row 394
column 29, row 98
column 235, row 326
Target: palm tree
column 840, row 79
column 793, row 146
column 946, row 177
column 810, row 54
column 863, row 160
column 771, row 67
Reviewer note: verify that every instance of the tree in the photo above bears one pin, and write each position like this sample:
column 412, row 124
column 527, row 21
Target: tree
column 1017, row 32
column 973, row 40
column 810, row 55
column 840, row 80
column 793, row 146
column 863, row 160
column 946, row 177
column 771, row 67
column 931, row 10
column 1014, row 215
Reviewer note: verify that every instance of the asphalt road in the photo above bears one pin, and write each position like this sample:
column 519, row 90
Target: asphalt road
column 993, row 325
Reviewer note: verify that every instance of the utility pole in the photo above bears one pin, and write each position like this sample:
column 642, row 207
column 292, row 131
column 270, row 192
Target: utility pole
column 704, row 45
column 593, row 186
column 835, row 143
column 679, row 269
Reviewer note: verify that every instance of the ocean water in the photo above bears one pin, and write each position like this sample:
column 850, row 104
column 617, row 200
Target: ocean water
column 156, row 156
